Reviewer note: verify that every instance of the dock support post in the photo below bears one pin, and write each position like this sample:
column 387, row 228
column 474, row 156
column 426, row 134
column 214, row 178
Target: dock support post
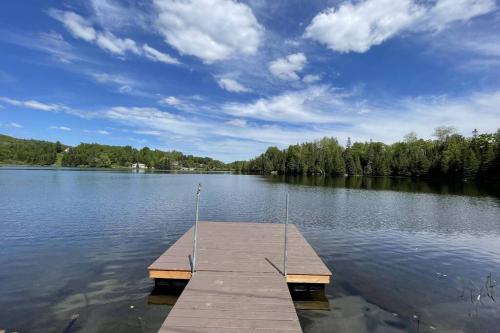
column 285, row 252
column 193, row 267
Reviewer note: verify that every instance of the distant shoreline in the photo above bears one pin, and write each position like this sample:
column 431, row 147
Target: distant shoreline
column 146, row 170
column 235, row 172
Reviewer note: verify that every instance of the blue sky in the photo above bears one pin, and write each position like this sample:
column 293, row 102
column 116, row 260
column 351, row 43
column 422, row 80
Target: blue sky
column 227, row 79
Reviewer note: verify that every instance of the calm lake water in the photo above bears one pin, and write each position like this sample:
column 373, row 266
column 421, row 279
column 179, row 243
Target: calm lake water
column 75, row 245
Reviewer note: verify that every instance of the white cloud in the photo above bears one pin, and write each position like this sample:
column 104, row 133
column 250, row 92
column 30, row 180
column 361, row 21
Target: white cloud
column 211, row 30
column 446, row 12
column 388, row 123
column 423, row 114
column 109, row 42
column 153, row 119
column 311, row 78
column 76, row 24
column 102, row 132
column 54, row 44
column 318, row 111
column 230, row 149
column 287, row 68
column 31, row 104
column 61, row 128
column 170, row 100
column 305, row 115
column 231, row 85
column 113, row 78
column 36, row 105
column 119, row 15
column 12, row 125
column 51, row 43
column 237, row 122
column 146, row 132
column 156, row 55
column 276, row 134
column 123, row 84
column 316, row 104
column 359, row 26
column 81, row 28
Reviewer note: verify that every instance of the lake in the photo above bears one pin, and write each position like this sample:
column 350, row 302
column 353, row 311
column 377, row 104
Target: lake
column 406, row 255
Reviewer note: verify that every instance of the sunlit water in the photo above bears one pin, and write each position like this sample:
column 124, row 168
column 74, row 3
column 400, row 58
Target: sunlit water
column 75, row 245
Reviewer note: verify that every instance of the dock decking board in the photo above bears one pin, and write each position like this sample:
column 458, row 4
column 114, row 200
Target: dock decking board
column 224, row 302
column 243, row 247
column 238, row 285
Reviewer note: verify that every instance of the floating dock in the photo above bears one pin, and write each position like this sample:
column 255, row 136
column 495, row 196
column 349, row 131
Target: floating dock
column 239, row 283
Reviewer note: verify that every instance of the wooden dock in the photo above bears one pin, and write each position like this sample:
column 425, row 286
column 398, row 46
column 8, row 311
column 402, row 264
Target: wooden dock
column 238, row 285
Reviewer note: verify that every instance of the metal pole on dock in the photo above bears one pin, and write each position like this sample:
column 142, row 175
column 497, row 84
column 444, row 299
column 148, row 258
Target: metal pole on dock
column 193, row 268
column 285, row 255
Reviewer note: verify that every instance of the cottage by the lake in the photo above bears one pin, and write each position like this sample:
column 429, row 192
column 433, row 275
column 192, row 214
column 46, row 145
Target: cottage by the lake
column 139, row 166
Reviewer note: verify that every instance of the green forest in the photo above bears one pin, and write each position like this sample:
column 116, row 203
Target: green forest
column 34, row 152
column 449, row 155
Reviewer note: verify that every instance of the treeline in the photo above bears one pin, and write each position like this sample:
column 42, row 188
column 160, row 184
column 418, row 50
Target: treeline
column 35, row 152
column 17, row 151
column 104, row 156
column 450, row 155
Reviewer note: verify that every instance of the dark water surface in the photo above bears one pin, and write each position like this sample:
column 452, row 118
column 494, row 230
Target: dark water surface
column 75, row 245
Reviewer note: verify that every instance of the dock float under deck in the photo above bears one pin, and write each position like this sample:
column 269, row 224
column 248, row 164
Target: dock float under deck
column 238, row 285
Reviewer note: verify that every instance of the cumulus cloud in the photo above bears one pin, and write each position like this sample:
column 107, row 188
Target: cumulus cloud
column 211, row 30
column 356, row 27
column 286, row 68
column 231, row 85
column 81, row 28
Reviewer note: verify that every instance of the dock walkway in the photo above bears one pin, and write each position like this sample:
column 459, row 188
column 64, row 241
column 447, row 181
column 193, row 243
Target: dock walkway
column 238, row 285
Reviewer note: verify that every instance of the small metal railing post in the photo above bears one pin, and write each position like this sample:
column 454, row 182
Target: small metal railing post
column 285, row 252
column 193, row 267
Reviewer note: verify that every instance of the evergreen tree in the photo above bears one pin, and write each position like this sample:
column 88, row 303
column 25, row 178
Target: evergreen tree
column 58, row 147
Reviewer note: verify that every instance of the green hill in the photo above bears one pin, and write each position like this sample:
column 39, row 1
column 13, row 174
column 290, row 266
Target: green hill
column 36, row 152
